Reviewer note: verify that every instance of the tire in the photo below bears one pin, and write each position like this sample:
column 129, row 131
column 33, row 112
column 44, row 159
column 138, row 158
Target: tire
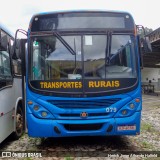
column 19, row 124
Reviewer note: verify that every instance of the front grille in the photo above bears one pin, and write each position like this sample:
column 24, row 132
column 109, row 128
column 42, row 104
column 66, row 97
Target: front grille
column 89, row 115
column 84, row 104
column 82, row 127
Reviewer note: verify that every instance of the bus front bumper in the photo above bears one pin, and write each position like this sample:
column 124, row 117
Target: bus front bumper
column 98, row 127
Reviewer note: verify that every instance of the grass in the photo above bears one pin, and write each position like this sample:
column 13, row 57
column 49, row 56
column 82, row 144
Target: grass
column 28, row 158
column 146, row 127
column 146, row 144
column 23, row 136
column 68, row 158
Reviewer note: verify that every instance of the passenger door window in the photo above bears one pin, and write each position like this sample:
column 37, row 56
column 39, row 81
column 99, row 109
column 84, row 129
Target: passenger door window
column 5, row 68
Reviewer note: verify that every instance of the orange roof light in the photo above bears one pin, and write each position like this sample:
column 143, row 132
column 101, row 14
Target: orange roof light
column 30, row 102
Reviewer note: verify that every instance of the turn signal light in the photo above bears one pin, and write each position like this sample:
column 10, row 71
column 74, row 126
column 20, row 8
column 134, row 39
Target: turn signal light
column 131, row 106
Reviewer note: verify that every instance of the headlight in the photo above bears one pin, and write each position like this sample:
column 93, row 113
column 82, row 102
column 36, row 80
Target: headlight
column 43, row 114
column 39, row 111
column 129, row 109
column 132, row 106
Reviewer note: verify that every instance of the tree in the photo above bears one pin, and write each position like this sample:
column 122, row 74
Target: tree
column 147, row 31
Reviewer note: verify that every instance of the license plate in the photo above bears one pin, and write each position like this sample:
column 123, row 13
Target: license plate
column 125, row 128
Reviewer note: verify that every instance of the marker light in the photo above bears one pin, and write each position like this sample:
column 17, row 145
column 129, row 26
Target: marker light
column 124, row 112
column 137, row 100
column 36, row 108
column 30, row 102
column 131, row 106
column 44, row 114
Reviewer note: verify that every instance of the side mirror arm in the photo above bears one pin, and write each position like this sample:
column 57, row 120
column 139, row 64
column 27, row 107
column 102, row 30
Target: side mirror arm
column 16, row 46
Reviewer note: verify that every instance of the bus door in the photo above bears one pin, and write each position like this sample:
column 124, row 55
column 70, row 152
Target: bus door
column 20, row 53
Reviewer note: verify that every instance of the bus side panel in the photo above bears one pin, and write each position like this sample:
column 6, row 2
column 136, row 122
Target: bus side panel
column 18, row 92
column 8, row 98
column 18, row 88
column 6, row 125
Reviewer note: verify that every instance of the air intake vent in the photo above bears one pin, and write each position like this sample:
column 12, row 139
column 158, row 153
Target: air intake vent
column 84, row 104
column 82, row 127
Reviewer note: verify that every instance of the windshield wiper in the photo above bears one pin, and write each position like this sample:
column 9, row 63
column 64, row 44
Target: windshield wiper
column 108, row 50
column 64, row 43
column 108, row 47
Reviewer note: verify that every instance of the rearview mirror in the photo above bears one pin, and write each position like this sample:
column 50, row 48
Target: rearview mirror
column 140, row 52
column 146, row 45
column 17, row 46
column 16, row 49
column 143, row 42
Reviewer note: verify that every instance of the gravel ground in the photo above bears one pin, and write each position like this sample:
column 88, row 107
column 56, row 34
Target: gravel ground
column 95, row 147
column 149, row 139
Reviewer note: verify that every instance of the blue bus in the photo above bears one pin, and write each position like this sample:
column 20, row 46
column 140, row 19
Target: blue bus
column 83, row 74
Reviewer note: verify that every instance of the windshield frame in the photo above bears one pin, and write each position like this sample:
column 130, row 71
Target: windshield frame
column 82, row 93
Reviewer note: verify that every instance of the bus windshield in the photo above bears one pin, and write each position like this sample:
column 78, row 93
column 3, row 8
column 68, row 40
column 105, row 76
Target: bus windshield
column 93, row 57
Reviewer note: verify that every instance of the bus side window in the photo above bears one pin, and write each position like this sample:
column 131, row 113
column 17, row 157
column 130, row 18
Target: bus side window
column 5, row 68
column 5, row 64
column 17, row 67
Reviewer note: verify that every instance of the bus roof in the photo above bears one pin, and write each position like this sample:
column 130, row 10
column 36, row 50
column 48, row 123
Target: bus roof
column 76, row 11
column 4, row 28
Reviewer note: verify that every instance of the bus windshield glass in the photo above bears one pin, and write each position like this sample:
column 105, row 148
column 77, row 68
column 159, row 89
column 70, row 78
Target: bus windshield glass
column 81, row 22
